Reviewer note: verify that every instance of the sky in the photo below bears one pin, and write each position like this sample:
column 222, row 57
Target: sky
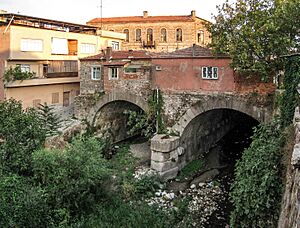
column 78, row 11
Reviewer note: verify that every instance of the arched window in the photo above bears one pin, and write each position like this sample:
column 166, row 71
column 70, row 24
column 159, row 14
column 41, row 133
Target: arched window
column 163, row 35
column 126, row 31
column 179, row 35
column 138, row 35
column 149, row 36
column 201, row 37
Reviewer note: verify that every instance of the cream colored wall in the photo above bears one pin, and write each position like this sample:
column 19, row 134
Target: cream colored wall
column 35, row 67
column 44, row 92
column 19, row 32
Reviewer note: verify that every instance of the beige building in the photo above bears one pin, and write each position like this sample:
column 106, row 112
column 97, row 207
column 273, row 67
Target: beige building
column 50, row 50
column 157, row 33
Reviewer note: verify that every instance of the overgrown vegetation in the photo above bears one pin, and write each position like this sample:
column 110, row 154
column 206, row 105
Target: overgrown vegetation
column 148, row 123
column 74, row 187
column 13, row 74
column 289, row 100
column 256, row 191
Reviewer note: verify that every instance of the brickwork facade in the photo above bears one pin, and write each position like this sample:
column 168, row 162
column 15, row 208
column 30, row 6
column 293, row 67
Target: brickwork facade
column 158, row 33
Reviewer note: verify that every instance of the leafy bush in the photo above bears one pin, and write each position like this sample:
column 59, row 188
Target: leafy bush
column 21, row 203
column 74, row 179
column 256, row 191
column 13, row 74
column 21, row 132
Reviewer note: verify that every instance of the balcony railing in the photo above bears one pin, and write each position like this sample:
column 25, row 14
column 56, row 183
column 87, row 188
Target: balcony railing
column 149, row 44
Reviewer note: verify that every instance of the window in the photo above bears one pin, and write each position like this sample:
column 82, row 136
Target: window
column 96, row 72
column 210, row 72
column 163, row 35
column 138, row 35
column 201, row 37
column 126, row 31
column 130, row 70
column 86, row 48
column 31, row 45
column 149, row 36
column 113, row 73
column 61, row 46
column 179, row 35
column 55, row 98
column 115, row 45
column 24, row 67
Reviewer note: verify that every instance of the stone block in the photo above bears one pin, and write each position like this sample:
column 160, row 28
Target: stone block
column 169, row 174
column 159, row 156
column 296, row 156
column 163, row 166
column 164, row 143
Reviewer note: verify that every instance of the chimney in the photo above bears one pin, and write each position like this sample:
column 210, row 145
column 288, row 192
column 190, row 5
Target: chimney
column 108, row 53
column 193, row 50
column 145, row 14
column 193, row 13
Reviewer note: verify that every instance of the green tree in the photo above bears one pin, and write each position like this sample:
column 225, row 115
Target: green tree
column 13, row 74
column 49, row 119
column 255, row 33
column 21, row 132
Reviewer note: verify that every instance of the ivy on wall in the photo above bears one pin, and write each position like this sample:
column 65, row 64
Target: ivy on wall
column 290, row 97
column 148, row 123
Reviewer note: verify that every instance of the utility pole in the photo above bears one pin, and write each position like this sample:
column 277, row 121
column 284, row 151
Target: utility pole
column 101, row 15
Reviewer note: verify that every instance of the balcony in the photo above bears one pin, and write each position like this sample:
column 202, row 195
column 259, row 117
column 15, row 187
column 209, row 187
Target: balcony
column 149, row 44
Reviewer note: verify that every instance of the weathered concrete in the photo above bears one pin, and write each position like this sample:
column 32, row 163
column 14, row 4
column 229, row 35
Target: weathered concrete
column 290, row 210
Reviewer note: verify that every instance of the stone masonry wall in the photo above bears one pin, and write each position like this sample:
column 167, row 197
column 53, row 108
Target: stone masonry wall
column 87, row 85
column 290, row 210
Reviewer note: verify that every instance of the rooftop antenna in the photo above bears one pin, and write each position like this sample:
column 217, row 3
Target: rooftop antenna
column 101, row 15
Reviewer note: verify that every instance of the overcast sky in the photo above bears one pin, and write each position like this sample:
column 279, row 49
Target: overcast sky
column 78, row 11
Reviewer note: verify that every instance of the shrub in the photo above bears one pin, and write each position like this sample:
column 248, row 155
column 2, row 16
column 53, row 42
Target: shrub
column 74, row 179
column 13, row 74
column 21, row 203
column 21, row 132
column 256, row 191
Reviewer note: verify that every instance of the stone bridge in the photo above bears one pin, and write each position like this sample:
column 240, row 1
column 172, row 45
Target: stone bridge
column 198, row 120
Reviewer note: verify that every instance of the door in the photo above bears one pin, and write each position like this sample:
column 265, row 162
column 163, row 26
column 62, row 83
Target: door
column 66, row 99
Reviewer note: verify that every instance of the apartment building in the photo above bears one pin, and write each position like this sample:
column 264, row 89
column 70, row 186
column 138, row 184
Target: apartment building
column 50, row 50
column 158, row 33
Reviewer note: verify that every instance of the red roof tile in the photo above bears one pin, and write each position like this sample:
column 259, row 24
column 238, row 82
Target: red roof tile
column 141, row 19
column 121, row 55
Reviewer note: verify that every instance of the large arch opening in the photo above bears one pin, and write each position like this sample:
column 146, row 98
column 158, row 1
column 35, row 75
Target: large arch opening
column 218, row 137
column 110, row 121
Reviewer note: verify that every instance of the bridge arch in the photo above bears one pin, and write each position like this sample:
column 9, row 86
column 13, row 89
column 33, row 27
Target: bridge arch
column 115, row 96
column 241, row 104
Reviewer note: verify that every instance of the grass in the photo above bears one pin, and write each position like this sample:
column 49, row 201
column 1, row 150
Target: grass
column 190, row 169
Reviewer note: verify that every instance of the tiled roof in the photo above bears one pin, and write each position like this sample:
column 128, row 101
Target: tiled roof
column 141, row 19
column 194, row 51
column 121, row 55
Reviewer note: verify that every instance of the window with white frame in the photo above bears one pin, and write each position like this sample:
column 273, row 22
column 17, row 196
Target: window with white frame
column 86, row 48
column 25, row 68
column 210, row 72
column 115, row 45
column 59, row 46
column 96, row 72
column 113, row 73
column 31, row 45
